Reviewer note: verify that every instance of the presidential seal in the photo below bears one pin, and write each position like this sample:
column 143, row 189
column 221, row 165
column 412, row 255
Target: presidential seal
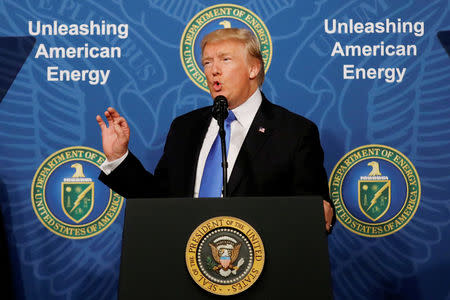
column 213, row 18
column 225, row 255
column 375, row 190
column 68, row 199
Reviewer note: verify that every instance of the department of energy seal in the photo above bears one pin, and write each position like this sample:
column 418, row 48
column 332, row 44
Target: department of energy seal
column 68, row 199
column 213, row 18
column 225, row 255
column 375, row 190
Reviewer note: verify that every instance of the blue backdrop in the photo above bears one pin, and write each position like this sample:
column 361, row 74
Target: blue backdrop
column 150, row 87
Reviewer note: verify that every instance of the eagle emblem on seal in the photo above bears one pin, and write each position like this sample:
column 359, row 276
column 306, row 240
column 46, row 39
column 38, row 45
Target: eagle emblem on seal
column 225, row 251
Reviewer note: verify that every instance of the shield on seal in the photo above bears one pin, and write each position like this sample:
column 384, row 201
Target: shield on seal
column 374, row 197
column 225, row 261
column 77, row 199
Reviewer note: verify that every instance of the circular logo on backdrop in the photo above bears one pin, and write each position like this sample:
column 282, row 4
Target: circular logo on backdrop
column 225, row 255
column 67, row 197
column 218, row 17
column 375, row 190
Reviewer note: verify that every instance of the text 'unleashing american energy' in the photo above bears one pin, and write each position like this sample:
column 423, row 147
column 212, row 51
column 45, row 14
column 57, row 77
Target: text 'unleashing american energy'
column 83, row 51
column 381, row 48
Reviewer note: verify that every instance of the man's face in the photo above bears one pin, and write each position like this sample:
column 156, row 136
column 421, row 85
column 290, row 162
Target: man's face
column 228, row 71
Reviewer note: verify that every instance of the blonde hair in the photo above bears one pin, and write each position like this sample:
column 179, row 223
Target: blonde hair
column 242, row 35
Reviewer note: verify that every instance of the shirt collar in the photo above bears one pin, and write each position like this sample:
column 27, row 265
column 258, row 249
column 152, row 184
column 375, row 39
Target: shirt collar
column 245, row 113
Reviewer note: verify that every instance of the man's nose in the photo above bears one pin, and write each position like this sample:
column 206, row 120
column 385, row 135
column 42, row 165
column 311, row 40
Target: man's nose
column 216, row 69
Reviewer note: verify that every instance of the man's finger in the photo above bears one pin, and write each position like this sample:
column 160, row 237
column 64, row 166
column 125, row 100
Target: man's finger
column 114, row 114
column 119, row 130
column 109, row 119
column 122, row 123
column 100, row 122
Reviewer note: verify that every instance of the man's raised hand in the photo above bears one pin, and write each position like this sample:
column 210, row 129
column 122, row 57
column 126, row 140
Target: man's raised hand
column 115, row 136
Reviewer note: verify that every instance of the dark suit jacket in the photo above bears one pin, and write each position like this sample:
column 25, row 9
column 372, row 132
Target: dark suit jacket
column 284, row 160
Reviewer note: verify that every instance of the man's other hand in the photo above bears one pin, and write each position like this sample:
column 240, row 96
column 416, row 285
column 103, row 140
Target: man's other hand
column 115, row 136
column 328, row 211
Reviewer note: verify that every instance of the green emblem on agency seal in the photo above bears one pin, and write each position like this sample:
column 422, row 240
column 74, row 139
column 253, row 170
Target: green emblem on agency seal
column 375, row 190
column 213, row 18
column 77, row 195
column 67, row 197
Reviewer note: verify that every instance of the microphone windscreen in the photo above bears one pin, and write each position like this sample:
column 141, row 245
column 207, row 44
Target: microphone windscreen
column 220, row 107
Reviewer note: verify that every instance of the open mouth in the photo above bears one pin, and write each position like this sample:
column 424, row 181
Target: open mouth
column 217, row 86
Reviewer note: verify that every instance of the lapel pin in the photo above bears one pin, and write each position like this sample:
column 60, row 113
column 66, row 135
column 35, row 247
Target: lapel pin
column 262, row 129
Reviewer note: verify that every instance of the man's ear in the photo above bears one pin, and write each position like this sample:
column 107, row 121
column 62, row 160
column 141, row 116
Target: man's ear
column 254, row 69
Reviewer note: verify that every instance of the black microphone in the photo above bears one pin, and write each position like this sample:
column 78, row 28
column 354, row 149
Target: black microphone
column 220, row 109
column 220, row 113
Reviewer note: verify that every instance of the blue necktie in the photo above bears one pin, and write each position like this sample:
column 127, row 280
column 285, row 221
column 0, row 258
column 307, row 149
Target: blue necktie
column 212, row 179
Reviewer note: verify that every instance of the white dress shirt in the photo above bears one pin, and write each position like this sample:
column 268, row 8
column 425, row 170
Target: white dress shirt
column 245, row 113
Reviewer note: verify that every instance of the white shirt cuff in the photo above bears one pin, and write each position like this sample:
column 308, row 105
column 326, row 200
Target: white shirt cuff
column 108, row 166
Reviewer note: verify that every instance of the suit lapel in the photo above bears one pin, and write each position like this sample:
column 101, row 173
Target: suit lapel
column 198, row 135
column 259, row 132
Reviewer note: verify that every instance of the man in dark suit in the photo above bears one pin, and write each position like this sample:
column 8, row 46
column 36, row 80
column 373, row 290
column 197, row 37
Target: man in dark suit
column 272, row 152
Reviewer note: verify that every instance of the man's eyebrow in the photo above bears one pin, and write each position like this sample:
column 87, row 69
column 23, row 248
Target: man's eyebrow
column 224, row 53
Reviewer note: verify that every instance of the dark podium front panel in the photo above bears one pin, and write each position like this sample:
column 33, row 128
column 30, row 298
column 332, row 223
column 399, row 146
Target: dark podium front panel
column 292, row 229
